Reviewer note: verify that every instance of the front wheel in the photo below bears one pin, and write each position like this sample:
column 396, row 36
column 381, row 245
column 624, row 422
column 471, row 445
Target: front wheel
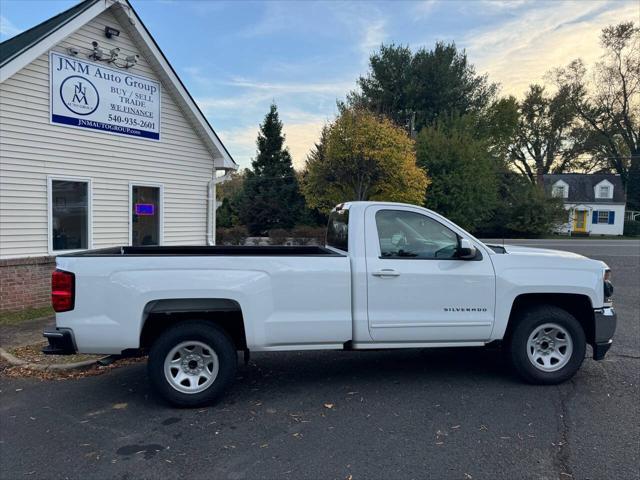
column 192, row 363
column 547, row 345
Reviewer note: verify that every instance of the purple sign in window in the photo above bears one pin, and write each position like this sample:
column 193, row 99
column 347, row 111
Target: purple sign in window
column 145, row 209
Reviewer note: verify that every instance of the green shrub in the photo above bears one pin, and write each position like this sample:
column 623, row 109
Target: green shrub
column 308, row 235
column 279, row 236
column 231, row 236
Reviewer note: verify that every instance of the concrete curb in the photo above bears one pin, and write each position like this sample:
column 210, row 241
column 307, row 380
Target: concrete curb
column 56, row 366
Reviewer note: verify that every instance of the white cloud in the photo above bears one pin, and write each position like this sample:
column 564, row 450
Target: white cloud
column 424, row 9
column 241, row 142
column 331, row 87
column 521, row 51
column 8, row 29
column 373, row 36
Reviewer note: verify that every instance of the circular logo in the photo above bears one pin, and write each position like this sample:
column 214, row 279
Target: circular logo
column 79, row 95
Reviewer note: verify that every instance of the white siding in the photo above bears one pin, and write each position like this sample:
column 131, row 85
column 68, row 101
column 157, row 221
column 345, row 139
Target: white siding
column 604, row 228
column 595, row 228
column 31, row 149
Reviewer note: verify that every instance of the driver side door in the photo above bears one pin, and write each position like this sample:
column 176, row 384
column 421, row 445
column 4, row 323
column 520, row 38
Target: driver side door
column 418, row 289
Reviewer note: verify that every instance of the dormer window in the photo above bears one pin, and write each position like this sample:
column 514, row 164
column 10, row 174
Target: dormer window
column 560, row 189
column 604, row 189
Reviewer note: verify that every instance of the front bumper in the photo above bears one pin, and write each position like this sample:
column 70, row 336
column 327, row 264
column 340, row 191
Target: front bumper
column 606, row 321
column 60, row 341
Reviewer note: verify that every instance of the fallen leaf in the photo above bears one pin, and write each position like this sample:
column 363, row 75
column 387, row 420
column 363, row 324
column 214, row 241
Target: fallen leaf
column 119, row 406
column 328, row 405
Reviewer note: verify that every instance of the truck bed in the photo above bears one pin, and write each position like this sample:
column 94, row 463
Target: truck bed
column 226, row 250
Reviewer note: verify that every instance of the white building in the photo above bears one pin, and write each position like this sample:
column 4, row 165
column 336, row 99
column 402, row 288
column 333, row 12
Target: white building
column 595, row 202
column 100, row 144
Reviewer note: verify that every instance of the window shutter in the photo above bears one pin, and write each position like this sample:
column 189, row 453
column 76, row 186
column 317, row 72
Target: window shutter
column 594, row 218
column 612, row 218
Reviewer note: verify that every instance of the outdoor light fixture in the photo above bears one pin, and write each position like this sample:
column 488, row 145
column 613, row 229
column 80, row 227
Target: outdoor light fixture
column 111, row 32
column 73, row 51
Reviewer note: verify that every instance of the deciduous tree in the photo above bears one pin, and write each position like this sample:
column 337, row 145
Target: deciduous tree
column 363, row 157
column 545, row 138
column 608, row 102
column 462, row 170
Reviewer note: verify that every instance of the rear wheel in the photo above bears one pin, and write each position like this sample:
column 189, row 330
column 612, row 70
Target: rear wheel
column 192, row 363
column 547, row 345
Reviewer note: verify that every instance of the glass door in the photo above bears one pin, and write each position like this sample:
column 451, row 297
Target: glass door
column 145, row 215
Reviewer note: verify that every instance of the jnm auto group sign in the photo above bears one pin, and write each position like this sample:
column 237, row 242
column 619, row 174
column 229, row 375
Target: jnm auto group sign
column 90, row 95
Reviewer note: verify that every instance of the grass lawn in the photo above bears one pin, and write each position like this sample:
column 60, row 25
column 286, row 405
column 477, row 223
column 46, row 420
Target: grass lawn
column 12, row 318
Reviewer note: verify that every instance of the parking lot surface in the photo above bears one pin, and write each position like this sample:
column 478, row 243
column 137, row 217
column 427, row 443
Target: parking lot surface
column 454, row 413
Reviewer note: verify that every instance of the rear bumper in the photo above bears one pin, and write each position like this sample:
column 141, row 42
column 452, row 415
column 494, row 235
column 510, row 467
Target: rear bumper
column 606, row 321
column 60, row 341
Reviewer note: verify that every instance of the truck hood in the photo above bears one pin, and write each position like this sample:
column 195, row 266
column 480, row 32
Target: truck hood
column 518, row 250
column 546, row 256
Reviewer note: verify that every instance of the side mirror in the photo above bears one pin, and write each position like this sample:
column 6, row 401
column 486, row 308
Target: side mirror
column 466, row 249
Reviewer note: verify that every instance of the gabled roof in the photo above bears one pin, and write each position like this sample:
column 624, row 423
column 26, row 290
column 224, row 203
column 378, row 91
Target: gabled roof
column 582, row 186
column 25, row 40
column 19, row 51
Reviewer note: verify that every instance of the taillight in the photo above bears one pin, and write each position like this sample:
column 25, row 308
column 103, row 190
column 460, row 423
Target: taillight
column 62, row 290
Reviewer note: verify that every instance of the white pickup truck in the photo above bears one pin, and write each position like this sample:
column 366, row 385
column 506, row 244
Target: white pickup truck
column 390, row 276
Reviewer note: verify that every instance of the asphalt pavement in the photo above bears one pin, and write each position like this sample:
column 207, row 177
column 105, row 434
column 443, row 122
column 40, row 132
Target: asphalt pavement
column 454, row 413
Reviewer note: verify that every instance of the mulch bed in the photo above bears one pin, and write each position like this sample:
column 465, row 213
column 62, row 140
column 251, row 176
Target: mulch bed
column 33, row 354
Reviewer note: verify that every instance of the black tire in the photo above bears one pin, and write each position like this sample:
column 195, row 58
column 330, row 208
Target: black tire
column 200, row 331
column 527, row 323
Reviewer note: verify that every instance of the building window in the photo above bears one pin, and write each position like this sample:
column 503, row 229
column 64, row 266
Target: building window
column 604, row 191
column 558, row 191
column 146, row 215
column 603, row 216
column 69, row 208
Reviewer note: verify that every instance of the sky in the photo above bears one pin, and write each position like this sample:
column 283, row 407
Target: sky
column 236, row 57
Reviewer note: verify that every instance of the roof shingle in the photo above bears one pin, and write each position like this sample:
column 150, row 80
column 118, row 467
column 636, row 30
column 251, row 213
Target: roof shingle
column 582, row 186
column 13, row 47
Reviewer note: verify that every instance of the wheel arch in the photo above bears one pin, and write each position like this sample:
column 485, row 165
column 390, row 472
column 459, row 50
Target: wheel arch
column 576, row 304
column 226, row 313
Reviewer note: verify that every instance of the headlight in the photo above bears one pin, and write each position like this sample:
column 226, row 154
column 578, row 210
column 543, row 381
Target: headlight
column 608, row 286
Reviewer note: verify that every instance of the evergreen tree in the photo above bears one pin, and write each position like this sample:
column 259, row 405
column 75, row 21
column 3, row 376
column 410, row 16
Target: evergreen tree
column 415, row 89
column 271, row 197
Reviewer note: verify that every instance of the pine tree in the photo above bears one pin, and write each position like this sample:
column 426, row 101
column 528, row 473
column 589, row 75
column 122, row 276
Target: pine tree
column 271, row 197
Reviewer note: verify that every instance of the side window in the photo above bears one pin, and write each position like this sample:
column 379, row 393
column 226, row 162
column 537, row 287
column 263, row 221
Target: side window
column 405, row 234
column 69, row 215
column 338, row 230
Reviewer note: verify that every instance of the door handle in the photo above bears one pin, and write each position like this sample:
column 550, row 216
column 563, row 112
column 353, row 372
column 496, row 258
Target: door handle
column 386, row 272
